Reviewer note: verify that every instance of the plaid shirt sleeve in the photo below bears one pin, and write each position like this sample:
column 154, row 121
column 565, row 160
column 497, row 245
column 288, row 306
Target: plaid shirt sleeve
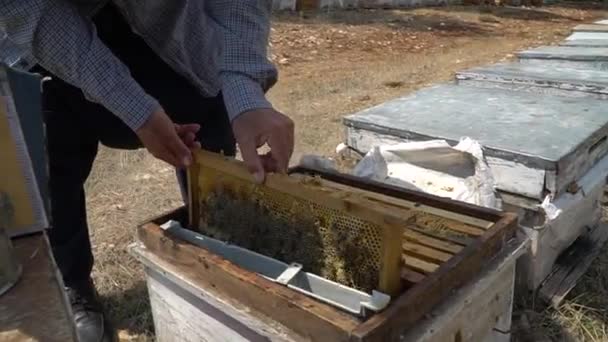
column 64, row 41
column 245, row 71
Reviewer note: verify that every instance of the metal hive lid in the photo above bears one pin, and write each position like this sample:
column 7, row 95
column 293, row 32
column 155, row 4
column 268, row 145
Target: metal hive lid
column 537, row 131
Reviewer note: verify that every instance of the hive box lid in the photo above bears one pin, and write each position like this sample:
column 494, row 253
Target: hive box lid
column 570, row 53
column 538, row 72
column 586, row 42
column 588, row 35
column 591, row 28
column 558, row 136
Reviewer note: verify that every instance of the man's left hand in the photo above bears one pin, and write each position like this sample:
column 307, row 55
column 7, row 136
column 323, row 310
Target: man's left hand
column 258, row 127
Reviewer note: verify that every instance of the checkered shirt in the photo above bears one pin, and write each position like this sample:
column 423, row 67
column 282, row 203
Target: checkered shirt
column 219, row 45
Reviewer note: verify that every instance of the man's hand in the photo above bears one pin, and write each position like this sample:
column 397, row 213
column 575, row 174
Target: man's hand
column 188, row 135
column 255, row 128
column 167, row 141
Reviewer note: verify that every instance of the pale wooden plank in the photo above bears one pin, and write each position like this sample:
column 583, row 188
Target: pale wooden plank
column 401, row 203
column 431, row 254
column 391, row 262
column 433, row 223
column 420, row 265
column 432, row 242
column 193, row 195
column 411, row 276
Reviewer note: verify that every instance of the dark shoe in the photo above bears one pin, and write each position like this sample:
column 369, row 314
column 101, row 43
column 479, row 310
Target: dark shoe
column 91, row 325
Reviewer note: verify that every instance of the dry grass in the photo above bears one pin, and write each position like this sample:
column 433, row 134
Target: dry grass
column 125, row 188
column 333, row 64
column 583, row 316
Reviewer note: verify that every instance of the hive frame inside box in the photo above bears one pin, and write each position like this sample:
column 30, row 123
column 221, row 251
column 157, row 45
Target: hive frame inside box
column 318, row 321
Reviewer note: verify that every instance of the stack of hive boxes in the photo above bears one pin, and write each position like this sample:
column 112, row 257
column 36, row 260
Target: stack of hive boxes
column 543, row 123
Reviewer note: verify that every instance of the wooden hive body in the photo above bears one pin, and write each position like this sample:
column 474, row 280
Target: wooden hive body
column 430, row 263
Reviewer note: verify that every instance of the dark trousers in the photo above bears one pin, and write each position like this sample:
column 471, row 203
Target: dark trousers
column 75, row 127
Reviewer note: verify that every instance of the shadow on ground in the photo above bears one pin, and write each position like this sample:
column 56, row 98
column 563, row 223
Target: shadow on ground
column 130, row 310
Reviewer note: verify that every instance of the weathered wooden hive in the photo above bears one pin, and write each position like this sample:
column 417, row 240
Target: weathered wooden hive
column 365, row 236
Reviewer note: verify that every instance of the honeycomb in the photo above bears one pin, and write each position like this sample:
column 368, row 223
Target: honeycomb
column 326, row 241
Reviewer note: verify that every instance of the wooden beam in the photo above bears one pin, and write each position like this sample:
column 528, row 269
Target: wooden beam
column 193, row 195
column 343, row 201
column 389, row 324
column 419, row 265
column 306, row 316
column 399, row 202
column 417, row 197
column 426, row 253
column 411, row 276
column 432, row 223
column 426, row 240
column 391, row 262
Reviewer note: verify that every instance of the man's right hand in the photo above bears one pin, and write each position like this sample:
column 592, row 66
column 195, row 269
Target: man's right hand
column 167, row 141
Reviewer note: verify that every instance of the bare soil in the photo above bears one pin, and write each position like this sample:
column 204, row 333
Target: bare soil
column 331, row 64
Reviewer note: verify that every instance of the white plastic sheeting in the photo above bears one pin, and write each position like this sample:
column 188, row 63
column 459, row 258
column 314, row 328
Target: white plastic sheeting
column 457, row 172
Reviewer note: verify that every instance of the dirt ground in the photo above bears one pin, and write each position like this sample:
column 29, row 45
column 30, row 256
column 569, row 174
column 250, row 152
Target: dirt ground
column 334, row 63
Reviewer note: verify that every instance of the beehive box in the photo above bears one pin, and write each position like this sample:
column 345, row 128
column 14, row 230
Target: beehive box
column 586, row 42
column 568, row 56
column 535, row 145
column 512, row 115
column 442, row 245
column 591, row 28
column 539, row 79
